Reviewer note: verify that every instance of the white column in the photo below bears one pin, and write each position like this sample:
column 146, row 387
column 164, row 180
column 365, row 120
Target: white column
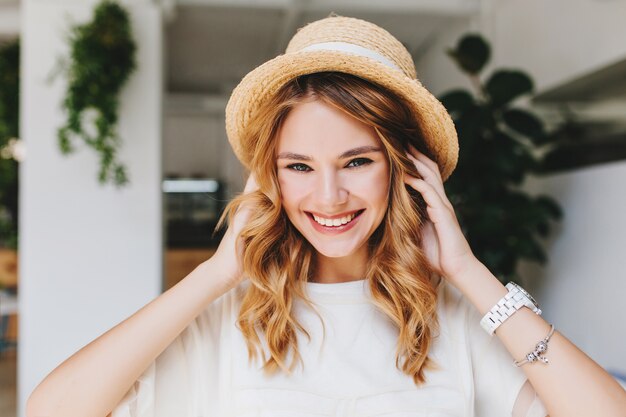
column 90, row 255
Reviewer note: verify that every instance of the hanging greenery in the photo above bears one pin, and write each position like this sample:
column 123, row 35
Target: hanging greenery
column 498, row 148
column 102, row 59
column 9, row 132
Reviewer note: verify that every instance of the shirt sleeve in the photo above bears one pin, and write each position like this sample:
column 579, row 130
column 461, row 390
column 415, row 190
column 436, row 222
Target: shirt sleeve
column 183, row 380
column 497, row 382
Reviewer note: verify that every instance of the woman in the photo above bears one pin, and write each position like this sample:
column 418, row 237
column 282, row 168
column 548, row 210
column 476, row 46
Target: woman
column 343, row 285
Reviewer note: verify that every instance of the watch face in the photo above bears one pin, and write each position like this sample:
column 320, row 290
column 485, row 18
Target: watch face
column 530, row 297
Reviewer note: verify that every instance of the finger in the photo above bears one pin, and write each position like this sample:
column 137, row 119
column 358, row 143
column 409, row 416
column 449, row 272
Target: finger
column 431, row 196
column 435, row 205
column 426, row 172
column 251, row 184
column 432, row 178
column 425, row 159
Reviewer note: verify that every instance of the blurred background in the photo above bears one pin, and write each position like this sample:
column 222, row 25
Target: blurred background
column 100, row 214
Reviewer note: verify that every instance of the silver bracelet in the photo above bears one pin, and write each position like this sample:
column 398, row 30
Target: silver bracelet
column 540, row 348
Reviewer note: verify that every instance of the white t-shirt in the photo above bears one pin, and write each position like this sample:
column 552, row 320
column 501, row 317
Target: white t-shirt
column 205, row 371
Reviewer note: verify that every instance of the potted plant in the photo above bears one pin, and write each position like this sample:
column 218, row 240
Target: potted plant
column 500, row 144
column 102, row 58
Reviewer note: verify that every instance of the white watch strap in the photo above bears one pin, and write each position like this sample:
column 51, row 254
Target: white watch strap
column 506, row 307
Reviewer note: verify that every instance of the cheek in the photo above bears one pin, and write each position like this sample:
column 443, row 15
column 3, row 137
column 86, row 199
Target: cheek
column 380, row 197
column 292, row 191
column 373, row 187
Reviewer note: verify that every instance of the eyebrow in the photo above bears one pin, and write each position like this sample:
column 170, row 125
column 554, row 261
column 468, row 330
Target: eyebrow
column 352, row 152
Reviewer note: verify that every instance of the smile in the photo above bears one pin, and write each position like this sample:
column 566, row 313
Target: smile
column 340, row 224
column 334, row 222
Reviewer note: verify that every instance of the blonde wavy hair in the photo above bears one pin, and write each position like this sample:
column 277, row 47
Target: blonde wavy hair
column 279, row 261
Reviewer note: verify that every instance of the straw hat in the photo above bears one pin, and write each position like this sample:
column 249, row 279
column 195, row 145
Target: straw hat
column 352, row 46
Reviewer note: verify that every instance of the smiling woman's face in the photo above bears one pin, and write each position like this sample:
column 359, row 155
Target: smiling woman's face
column 334, row 178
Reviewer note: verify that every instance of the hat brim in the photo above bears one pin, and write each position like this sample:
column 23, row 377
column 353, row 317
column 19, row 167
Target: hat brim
column 437, row 128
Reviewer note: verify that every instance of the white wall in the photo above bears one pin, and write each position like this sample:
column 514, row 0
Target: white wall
column 190, row 145
column 195, row 143
column 554, row 41
column 90, row 255
column 435, row 69
column 560, row 39
column 580, row 289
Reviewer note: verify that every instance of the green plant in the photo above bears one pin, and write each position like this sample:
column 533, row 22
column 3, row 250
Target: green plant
column 102, row 60
column 498, row 146
column 9, row 132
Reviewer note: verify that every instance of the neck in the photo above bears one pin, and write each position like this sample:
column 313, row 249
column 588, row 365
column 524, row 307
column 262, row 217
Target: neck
column 335, row 270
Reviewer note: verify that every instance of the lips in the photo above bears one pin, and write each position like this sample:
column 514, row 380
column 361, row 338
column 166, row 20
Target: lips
column 346, row 222
column 334, row 216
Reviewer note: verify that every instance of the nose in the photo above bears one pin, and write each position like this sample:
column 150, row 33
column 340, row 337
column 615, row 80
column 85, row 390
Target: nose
column 330, row 190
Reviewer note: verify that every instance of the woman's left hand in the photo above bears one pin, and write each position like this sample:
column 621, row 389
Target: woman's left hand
column 444, row 244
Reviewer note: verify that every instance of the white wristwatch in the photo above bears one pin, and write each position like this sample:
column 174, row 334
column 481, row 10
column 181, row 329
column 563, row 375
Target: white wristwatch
column 515, row 299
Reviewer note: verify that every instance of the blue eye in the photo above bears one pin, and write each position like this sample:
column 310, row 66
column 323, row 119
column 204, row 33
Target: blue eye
column 355, row 163
column 359, row 162
column 299, row 167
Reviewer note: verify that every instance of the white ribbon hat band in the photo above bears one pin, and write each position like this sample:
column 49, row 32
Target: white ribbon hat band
column 353, row 49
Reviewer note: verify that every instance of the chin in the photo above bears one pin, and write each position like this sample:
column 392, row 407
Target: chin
column 334, row 252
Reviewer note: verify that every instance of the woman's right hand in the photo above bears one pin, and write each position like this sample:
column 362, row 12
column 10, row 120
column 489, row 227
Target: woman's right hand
column 229, row 254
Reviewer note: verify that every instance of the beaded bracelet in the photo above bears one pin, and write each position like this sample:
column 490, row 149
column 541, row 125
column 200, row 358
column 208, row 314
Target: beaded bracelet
column 540, row 348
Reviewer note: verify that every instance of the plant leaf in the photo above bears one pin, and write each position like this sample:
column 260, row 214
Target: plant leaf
column 525, row 123
column 457, row 101
column 506, row 85
column 530, row 249
column 471, row 53
column 550, row 206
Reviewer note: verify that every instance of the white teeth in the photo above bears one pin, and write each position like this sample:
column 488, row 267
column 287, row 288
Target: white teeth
column 334, row 222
